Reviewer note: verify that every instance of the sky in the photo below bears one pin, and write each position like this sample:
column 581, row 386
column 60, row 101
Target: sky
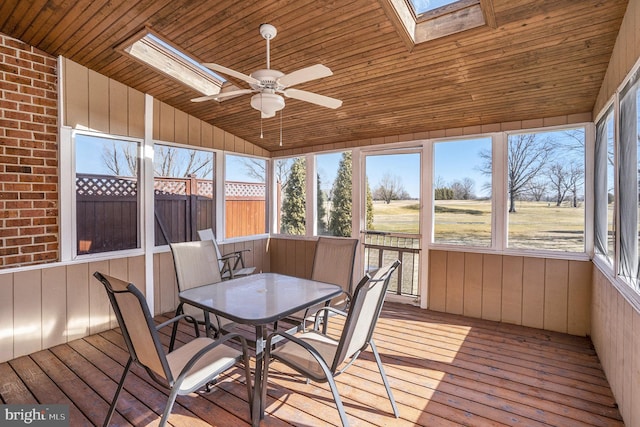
column 422, row 6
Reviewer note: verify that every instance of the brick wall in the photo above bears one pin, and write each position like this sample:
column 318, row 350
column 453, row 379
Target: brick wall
column 28, row 155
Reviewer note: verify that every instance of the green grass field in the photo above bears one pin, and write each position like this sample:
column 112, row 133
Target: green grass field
column 534, row 225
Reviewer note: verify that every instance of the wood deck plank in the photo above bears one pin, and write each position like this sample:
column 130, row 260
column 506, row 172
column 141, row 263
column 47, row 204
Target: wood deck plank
column 445, row 370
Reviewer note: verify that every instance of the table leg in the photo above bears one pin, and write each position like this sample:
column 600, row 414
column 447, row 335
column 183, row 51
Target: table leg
column 258, row 405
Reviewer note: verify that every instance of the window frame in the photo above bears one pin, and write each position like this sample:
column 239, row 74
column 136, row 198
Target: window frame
column 611, row 270
column 499, row 196
column 310, row 195
column 587, row 250
column 215, row 154
column 69, row 248
column 221, row 164
column 496, row 159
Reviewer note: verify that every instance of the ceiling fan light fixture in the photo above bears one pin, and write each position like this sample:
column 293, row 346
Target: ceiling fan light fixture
column 267, row 103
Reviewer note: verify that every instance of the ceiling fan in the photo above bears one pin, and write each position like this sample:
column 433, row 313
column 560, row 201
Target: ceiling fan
column 269, row 84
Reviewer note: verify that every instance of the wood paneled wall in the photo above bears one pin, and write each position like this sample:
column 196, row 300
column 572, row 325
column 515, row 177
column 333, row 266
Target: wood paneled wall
column 625, row 54
column 292, row 256
column 549, row 294
column 98, row 103
column 443, row 133
column 173, row 125
column 43, row 307
column 51, row 305
column 615, row 322
column 95, row 102
column 615, row 334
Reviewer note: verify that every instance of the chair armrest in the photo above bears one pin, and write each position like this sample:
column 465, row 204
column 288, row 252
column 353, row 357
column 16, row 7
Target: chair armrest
column 173, row 320
column 177, row 318
column 318, row 317
column 237, row 255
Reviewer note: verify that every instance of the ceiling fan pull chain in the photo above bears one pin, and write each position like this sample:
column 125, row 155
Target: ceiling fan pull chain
column 280, row 128
column 261, row 135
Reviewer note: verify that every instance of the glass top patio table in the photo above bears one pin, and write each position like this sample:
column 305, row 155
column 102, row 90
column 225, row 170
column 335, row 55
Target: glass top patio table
column 259, row 300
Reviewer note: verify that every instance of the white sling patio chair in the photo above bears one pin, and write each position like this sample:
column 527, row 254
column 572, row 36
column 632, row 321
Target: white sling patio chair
column 333, row 262
column 320, row 357
column 195, row 265
column 195, row 365
column 232, row 264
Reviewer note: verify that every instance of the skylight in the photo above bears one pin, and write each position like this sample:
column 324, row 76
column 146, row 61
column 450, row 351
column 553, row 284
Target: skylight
column 155, row 52
column 422, row 6
column 419, row 21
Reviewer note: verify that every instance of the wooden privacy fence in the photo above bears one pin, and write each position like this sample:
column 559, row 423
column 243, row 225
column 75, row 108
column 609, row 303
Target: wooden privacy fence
column 108, row 216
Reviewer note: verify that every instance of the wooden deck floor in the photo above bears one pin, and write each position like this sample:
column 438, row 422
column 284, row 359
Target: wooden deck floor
column 444, row 371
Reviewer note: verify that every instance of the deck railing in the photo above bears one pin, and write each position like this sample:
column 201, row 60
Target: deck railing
column 382, row 248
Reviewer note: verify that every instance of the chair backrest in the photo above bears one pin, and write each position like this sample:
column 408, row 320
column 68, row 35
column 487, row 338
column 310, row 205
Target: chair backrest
column 195, row 264
column 333, row 261
column 207, row 234
column 364, row 311
column 137, row 325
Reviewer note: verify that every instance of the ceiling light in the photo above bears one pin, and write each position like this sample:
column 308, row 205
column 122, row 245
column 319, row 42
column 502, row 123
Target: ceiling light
column 267, row 103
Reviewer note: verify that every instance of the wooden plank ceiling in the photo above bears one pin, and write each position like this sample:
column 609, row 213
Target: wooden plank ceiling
column 543, row 59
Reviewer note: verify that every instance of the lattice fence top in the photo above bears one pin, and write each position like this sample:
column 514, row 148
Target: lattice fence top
column 99, row 185
column 244, row 189
column 104, row 185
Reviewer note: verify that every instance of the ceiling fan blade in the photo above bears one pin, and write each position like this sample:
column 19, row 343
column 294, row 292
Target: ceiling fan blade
column 314, row 98
column 204, row 98
column 232, row 73
column 232, row 93
column 223, row 95
column 305, row 75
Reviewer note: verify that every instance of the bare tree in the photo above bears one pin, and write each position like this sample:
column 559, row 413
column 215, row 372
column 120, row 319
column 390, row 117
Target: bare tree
column 566, row 180
column 389, row 188
column 527, row 157
column 558, row 175
column 255, row 168
column 536, row 189
column 439, row 182
column 575, row 182
column 122, row 160
column 463, row 190
column 179, row 162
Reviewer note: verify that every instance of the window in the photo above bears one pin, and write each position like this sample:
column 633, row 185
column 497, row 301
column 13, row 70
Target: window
column 628, row 159
column 462, row 192
column 604, row 187
column 291, row 191
column 334, row 193
column 545, row 190
column 183, row 193
column 245, row 196
column 107, row 194
column 395, row 189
